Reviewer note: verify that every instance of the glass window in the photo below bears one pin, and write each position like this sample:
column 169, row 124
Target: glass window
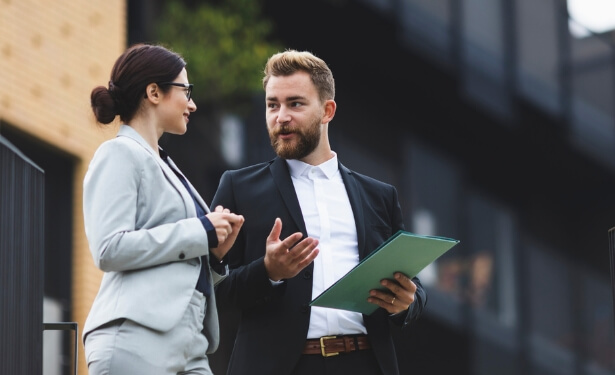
column 592, row 96
column 550, row 298
column 490, row 263
column 480, row 271
column 484, row 55
column 598, row 332
column 426, row 24
column 232, row 140
column 537, row 41
column 432, row 183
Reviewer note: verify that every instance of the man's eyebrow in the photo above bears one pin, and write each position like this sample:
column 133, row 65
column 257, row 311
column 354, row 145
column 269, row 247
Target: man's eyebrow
column 293, row 98
column 288, row 99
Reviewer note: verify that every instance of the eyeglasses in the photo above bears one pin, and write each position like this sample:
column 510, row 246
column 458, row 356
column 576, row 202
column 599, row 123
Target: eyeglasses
column 186, row 86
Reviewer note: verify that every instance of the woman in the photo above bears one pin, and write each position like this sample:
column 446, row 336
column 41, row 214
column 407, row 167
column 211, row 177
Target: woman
column 149, row 230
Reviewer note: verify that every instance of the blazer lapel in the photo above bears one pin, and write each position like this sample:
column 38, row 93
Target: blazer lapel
column 281, row 177
column 356, row 202
column 197, row 196
column 127, row 131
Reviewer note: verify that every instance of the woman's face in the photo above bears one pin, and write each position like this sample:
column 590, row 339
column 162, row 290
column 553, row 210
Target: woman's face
column 176, row 107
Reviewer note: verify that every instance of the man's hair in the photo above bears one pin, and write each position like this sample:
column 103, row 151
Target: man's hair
column 290, row 61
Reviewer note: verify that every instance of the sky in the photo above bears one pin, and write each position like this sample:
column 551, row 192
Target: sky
column 595, row 15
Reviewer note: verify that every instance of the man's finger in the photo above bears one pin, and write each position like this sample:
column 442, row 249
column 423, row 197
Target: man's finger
column 275, row 231
column 308, row 258
column 405, row 281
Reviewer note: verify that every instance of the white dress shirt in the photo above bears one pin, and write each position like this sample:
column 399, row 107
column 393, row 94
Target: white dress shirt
column 329, row 218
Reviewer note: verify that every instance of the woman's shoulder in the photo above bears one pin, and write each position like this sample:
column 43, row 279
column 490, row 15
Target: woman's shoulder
column 123, row 146
column 121, row 152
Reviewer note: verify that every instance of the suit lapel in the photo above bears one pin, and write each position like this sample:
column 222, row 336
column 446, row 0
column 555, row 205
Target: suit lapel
column 281, row 177
column 356, row 202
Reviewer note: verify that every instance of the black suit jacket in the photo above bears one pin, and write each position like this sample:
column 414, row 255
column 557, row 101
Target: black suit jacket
column 274, row 320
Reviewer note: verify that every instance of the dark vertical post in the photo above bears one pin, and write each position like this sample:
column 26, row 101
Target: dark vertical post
column 612, row 263
column 21, row 262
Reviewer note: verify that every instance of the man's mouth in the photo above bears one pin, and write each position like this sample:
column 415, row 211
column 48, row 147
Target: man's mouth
column 285, row 131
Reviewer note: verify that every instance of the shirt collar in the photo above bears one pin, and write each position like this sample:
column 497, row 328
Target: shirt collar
column 298, row 168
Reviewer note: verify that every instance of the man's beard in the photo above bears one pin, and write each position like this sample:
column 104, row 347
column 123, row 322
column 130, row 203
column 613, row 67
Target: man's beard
column 306, row 142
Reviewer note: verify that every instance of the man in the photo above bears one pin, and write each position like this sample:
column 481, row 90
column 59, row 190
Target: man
column 275, row 272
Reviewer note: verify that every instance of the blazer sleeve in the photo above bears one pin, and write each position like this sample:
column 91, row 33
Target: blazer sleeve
column 420, row 297
column 247, row 284
column 133, row 217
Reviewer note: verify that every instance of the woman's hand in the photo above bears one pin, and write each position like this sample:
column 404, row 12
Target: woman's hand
column 227, row 227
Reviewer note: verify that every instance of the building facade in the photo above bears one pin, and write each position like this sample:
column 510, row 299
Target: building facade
column 52, row 53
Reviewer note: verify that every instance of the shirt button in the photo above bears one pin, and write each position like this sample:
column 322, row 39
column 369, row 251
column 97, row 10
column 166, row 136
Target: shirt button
column 182, row 255
column 307, row 275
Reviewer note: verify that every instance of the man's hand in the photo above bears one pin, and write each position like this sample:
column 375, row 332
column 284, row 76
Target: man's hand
column 399, row 296
column 281, row 261
column 227, row 227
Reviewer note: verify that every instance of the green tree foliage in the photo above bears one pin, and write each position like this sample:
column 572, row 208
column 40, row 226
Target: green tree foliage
column 225, row 45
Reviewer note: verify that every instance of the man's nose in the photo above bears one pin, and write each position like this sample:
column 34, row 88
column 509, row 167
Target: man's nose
column 283, row 115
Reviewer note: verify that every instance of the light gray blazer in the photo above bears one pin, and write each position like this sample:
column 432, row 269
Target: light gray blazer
column 143, row 232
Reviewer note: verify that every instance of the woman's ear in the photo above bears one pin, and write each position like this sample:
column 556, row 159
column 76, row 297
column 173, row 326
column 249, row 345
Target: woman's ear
column 153, row 93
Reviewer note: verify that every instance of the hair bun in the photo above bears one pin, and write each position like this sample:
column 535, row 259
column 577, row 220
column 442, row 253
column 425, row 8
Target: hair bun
column 103, row 104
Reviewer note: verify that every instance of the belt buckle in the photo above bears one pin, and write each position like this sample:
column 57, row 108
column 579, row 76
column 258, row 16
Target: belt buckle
column 322, row 346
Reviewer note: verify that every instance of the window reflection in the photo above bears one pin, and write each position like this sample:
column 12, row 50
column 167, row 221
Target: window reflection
column 468, row 279
column 481, row 274
column 551, row 320
column 598, row 340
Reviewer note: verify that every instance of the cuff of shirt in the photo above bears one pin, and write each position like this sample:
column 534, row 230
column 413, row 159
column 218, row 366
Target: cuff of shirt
column 212, row 238
column 218, row 265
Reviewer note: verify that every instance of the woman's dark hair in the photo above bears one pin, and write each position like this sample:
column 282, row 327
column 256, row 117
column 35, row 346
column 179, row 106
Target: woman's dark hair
column 137, row 67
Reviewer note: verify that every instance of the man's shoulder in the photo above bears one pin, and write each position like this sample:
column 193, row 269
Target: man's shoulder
column 251, row 169
column 249, row 174
column 365, row 179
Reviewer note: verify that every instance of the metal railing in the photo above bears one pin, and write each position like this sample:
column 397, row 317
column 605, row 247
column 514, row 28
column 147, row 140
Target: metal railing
column 67, row 326
column 21, row 262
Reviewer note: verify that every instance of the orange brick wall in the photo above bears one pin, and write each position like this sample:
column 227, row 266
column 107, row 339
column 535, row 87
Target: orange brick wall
column 52, row 53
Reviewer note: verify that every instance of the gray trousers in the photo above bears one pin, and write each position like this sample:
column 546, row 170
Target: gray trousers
column 123, row 347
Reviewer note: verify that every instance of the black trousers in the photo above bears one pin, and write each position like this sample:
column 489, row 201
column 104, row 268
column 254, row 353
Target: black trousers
column 362, row 362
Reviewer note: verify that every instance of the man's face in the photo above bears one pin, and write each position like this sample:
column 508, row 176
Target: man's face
column 294, row 115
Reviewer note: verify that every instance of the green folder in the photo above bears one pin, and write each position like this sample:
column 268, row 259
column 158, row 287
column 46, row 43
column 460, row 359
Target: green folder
column 405, row 252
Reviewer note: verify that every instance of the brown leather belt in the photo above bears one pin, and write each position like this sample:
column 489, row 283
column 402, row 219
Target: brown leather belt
column 328, row 346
